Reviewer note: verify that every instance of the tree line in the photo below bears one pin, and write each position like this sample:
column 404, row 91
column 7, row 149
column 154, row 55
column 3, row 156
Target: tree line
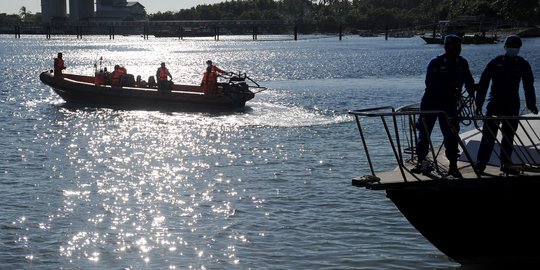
column 327, row 15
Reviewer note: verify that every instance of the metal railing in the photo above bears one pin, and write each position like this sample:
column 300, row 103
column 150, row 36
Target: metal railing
column 401, row 129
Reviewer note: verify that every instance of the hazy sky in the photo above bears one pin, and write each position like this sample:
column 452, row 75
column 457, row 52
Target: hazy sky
column 152, row 6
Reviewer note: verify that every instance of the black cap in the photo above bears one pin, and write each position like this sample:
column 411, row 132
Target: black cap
column 513, row 41
column 452, row 38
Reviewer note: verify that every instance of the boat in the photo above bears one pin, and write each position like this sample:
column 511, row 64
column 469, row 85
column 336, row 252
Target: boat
column 530, row 32
column 184, row 32
column 79, row 89
column 467, row 39
column 473, row 25
column 486, row 218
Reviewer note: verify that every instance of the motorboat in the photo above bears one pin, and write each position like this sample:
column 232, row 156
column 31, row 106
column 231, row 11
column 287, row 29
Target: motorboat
column 487, row 218
column 231, row 94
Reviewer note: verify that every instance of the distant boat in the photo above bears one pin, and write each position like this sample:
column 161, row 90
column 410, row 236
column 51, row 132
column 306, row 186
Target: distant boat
column 185, row 32
column 529, row 33
column 460, row 26
column 402, row 34
column 467, row 39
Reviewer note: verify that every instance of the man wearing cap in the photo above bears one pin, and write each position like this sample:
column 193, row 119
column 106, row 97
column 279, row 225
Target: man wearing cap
column 209, row 81
column 445, row 77
column 505, row 73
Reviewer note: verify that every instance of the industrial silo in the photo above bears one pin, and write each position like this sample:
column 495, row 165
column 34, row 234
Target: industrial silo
column 53, row 10
column 80, row 10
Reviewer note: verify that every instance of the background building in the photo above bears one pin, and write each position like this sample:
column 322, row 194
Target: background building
column 81, row 10
column 116, row 10
column 53, row 10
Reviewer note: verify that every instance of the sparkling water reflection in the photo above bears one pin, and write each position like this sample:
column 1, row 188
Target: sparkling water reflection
column 269, row 187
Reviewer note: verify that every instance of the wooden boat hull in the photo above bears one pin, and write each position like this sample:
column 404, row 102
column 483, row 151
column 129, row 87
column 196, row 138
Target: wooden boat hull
column 78, row 89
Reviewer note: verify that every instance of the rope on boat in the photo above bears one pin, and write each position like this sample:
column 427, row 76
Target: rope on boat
column 467, row 109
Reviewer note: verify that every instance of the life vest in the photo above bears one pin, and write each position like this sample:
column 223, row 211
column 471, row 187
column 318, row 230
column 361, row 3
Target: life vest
column 58, row 66
column 210, row 75
column 163, row 73
column 116, row 75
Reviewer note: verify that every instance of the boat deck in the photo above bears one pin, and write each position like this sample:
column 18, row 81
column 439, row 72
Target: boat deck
column 395, row 178
column 400, row 126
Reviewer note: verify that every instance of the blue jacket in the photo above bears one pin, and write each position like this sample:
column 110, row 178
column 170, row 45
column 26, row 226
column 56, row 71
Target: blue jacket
column 506, row 73
column 445, row 79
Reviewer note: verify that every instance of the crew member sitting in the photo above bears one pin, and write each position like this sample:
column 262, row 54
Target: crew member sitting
column 58, row 65
column 161, row 74
column 99, row 79
column 116, row 75
column 209, row 81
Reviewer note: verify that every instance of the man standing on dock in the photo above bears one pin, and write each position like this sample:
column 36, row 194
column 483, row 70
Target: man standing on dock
column 445, row 77
column 505, row 72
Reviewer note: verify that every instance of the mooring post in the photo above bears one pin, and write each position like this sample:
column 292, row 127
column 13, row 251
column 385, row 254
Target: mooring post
column 111, row 32
column 295, row 32
column 79, row 32
column 48, row 31
column 216, row 33
column 17, row 31
column 386, row 32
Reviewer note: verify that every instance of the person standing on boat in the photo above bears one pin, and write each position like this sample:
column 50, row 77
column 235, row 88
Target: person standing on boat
column 445, row 77
column 505, row 73
column 209, row 81
column 58, row 65
column 162, row 74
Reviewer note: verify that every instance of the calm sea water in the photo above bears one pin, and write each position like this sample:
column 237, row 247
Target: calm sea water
column 266, row 188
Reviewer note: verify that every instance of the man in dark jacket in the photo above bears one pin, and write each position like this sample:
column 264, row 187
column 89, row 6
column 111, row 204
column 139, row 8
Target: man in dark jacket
column 505, row 73
column 445, row 77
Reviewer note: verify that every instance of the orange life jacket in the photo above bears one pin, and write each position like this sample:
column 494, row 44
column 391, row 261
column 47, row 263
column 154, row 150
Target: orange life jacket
column 210, row 75
column 163, row 73
column 58, row 66
column 115, row 80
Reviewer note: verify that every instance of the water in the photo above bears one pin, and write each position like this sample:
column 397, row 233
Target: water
column 267, row 188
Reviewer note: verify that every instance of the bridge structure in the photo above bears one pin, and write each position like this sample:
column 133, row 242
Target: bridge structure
column 177, row 28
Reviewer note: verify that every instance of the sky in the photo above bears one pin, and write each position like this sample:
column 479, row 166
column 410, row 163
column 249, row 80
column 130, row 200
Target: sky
column 152, row 6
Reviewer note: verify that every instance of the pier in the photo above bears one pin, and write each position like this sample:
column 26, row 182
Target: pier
column 179, row 28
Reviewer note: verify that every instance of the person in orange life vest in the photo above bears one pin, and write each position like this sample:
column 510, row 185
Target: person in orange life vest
column 123, row 69
column 161, row 74
column 99, row 79
column 116, row 75
column 58, row 65
column 209, row 81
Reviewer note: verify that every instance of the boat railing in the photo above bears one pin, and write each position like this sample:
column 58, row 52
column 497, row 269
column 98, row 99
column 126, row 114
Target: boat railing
column 401, row 126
